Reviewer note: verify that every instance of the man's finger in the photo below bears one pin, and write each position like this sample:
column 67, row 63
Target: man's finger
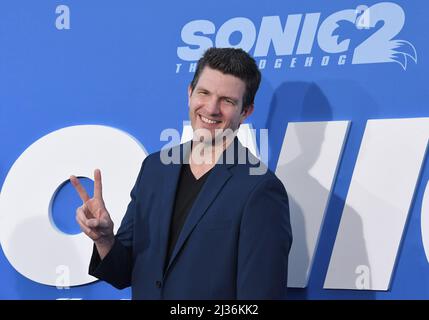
column 81, row 216
column 92, row 223
column 94, row 235
column 103, row 223
column 97, row 223
column 83, row 222
column 97, row 184
column 82, row 225
column 79, row 188
column 87, row 211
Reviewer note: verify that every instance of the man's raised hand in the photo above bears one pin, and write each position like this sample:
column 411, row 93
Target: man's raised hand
column 92, row 216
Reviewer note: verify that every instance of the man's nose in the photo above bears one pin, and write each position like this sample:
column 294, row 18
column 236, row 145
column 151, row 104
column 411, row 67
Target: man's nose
column 213, row 106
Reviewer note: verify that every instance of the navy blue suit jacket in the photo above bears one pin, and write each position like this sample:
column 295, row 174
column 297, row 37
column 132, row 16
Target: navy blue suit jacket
column 233, row 245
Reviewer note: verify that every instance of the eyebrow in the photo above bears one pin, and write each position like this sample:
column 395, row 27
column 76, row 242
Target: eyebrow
column 222, row 97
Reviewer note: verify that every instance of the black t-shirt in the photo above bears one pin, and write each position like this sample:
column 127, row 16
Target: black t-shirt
column 187, row 191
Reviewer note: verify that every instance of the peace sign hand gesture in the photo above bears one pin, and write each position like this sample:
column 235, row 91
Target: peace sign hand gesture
column 92, row 216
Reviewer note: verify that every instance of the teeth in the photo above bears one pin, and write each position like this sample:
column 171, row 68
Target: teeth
column 208, row 120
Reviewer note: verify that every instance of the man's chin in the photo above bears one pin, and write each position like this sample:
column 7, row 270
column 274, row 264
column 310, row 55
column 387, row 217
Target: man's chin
column 213, row 136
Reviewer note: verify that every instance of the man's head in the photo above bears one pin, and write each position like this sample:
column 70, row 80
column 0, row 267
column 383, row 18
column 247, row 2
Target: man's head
column 235, row 62
column 222, row 92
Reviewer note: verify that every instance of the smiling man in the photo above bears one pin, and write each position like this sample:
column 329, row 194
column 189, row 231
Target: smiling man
column 199, row 229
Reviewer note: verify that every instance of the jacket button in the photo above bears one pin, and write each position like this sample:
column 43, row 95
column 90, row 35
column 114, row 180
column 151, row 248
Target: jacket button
column 158, row 284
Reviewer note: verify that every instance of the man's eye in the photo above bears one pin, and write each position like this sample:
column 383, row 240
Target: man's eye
column 229, row 101
column 203, row 93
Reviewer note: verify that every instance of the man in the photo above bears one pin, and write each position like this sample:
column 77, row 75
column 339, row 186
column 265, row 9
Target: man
column 203, row 228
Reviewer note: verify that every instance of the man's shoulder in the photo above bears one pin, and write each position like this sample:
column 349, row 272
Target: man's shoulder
column 253, row 171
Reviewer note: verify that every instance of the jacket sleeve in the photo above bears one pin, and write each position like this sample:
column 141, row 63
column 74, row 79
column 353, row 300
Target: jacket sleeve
column 264, row 243
column 116, row 267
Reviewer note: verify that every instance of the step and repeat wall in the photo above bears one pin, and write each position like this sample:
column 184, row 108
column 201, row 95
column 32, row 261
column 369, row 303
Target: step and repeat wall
column 344, row 100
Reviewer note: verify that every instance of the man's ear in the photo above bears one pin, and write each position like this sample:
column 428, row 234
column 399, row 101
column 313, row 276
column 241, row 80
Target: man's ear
column 246, row 112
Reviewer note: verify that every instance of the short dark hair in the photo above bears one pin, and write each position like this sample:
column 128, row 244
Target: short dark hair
column 236, row 62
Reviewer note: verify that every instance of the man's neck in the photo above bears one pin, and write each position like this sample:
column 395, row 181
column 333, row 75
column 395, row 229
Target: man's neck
column 203, row 156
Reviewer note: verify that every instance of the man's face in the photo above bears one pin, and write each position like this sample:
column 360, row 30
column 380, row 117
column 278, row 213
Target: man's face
column 216, row 103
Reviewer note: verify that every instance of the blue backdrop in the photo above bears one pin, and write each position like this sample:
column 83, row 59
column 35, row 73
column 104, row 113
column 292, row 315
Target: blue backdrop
column 117, row 64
